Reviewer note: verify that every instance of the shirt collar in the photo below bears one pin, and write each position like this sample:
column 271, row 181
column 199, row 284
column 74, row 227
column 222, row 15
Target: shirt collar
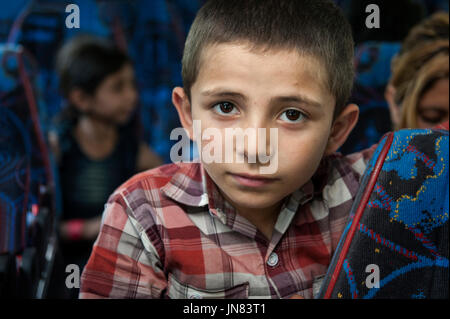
column 186, row 185
column 192, row 186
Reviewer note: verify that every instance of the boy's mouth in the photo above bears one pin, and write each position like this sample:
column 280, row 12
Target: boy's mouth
column 252, row 180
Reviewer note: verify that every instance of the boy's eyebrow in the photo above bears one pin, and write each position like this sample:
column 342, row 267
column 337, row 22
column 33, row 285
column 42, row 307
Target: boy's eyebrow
column 296, row 99
column 302, row 99
column 220, row 92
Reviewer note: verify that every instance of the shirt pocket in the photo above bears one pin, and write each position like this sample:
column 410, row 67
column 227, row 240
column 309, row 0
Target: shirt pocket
column 179, row 290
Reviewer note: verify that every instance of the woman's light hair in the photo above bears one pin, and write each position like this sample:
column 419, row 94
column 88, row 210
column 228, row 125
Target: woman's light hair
column 423, row 60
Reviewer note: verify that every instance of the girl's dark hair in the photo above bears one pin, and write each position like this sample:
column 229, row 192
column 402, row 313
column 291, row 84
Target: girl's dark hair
column 84, row 63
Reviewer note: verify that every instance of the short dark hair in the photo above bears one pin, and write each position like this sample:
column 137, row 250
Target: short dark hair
column 85, row 61
column 314, row 27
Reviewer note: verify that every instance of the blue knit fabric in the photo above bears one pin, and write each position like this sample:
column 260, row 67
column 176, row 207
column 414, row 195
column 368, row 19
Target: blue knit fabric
column 404, row 226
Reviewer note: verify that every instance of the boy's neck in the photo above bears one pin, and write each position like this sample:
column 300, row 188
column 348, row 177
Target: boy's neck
column 264, row 219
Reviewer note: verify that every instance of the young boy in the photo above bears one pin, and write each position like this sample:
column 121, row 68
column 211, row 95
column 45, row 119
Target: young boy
column 215, row 230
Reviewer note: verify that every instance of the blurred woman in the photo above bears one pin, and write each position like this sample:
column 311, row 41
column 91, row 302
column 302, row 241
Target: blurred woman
column 418, row 91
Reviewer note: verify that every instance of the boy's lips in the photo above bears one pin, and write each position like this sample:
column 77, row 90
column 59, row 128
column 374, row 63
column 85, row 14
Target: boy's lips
column 252, row 180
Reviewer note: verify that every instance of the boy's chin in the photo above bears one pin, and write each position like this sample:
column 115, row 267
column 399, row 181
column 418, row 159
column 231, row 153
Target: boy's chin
column 254, row 200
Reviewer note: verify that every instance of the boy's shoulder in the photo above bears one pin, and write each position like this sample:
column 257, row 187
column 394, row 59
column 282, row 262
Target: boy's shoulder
column 151, row 185
column 157, row 201
column 159, row 176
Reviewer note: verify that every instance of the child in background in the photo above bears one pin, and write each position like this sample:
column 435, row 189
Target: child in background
column 97, row 142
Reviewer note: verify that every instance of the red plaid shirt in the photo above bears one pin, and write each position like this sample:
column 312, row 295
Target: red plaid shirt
column 168, row 233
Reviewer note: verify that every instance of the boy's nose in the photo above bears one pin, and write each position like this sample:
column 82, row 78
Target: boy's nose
column 258, row 145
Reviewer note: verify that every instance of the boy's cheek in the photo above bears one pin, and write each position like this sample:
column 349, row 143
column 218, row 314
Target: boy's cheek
column 311, row 146
column 297, row 168
column 300, row 159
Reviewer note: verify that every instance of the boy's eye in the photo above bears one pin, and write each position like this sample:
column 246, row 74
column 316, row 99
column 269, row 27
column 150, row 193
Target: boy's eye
column 225, row 108
column 292, row 116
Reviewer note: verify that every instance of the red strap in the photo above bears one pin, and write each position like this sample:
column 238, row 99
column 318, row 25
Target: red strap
column 364, row 199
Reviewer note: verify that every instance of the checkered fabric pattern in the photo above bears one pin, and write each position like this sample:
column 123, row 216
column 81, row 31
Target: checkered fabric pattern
column 168, row 233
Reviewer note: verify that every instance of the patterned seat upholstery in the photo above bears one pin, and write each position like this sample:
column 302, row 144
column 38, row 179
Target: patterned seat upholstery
column 396, row 242
column 27, row 206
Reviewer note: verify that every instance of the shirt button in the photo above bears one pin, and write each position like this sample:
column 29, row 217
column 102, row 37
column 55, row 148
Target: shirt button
column 273, row 260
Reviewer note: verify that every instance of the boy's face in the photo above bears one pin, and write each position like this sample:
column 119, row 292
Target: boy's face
column 240, row 88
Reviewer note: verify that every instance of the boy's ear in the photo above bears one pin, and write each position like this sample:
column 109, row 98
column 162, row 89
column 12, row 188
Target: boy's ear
column 342, row 126
column 394, row 109
column 183, row 106
column 79, row 99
